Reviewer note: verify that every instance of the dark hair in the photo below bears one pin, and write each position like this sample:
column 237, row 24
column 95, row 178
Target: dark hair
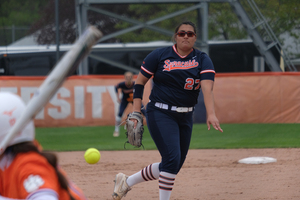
column 25, row 147
column 186, row 23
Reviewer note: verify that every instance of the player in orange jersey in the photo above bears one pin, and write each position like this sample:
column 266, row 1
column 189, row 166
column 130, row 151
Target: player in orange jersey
column 27, row 172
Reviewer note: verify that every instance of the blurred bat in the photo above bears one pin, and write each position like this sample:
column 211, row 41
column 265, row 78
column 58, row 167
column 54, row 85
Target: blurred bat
column 66, row 66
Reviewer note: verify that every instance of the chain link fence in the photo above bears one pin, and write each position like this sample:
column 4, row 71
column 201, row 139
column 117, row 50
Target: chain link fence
column 10, row 34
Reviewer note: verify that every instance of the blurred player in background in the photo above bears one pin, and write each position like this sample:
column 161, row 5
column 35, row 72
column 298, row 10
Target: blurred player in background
column 126, row 88
column 178, row 72
column 27, row 172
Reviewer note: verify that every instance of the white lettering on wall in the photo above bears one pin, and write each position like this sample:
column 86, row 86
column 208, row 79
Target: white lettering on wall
column 96, row 92
column 113, row 95
column 27, row 94
column 65, row 108
column 62, row 107
column 9, row 89
column 79, row 102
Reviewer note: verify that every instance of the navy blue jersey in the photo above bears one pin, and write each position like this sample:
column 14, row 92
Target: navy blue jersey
column 127, row 91
column 177, row 78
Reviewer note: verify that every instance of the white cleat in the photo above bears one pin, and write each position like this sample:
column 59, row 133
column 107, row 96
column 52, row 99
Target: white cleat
column 121, row 186
column 116, row 134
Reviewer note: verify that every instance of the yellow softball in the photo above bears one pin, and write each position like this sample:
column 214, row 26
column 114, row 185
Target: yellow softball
column 92, row 156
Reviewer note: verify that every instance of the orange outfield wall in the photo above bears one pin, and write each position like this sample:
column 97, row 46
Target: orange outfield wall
column 81, row 101
column 269, row 97
column 239, row 98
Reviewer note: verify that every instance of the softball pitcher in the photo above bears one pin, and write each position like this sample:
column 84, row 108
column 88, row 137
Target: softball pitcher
column 178, row 73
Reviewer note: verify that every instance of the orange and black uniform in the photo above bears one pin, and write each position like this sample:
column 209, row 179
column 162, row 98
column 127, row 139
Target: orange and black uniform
column 28, row 174
column 127, row 96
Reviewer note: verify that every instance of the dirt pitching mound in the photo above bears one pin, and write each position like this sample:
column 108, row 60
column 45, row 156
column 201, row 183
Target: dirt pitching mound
column 206, row 174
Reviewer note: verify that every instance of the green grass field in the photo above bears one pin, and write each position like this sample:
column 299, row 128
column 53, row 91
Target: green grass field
column 234, row 136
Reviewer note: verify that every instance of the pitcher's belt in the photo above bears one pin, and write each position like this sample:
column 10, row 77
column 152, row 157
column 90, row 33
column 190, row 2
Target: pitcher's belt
column 174, row 108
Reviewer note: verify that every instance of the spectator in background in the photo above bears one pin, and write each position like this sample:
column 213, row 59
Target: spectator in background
column 126, row 88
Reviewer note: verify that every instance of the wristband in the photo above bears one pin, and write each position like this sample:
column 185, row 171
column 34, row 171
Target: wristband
column 138, row 91
column 137, row 112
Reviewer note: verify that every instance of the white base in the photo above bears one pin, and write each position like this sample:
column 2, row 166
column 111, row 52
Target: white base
column 257, row 160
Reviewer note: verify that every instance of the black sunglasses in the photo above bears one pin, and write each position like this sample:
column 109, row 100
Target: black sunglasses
column 189, row 34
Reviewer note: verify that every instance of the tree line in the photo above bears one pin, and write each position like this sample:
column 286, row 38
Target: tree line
column 282, row 15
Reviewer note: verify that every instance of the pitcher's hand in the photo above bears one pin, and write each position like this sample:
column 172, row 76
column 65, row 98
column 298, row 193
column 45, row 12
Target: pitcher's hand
column 135, row 122
column 213, row 120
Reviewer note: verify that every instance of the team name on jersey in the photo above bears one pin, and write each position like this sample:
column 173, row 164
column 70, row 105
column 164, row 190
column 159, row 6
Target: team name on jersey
column 169, row 66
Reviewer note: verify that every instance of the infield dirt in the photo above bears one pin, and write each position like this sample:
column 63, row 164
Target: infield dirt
column 206, row 174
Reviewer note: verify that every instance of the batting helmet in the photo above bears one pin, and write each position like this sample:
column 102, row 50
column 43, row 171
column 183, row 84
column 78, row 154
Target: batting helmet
column 11, row 108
